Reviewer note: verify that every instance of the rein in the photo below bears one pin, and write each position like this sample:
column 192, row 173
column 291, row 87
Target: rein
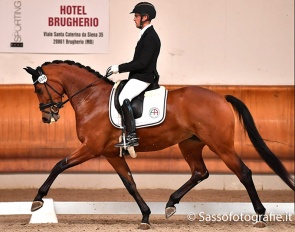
column 60, row 104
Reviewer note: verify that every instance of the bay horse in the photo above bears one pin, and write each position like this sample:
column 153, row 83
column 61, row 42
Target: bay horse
column 189, row 123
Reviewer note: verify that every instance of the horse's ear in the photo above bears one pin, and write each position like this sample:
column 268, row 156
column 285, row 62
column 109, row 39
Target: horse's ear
column 33, row 72
column 30, row 70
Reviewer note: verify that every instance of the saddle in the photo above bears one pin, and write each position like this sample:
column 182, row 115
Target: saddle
column 137, row 102
column 149, row 108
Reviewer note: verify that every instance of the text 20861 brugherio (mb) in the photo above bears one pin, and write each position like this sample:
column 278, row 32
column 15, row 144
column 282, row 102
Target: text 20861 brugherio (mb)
column 73, row 38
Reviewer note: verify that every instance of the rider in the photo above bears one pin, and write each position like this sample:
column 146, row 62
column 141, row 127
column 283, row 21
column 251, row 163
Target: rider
column 142, row 69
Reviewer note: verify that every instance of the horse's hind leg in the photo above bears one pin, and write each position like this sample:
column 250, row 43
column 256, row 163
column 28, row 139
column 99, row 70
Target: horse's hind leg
column 121, row 167
column 235, row 164
column 192, row 152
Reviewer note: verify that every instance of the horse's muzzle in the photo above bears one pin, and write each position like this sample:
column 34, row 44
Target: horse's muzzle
column 49, row 117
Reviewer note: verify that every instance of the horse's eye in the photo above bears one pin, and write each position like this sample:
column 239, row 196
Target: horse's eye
column 39, row 91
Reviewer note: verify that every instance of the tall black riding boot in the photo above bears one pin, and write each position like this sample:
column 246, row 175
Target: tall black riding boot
column 131, row 139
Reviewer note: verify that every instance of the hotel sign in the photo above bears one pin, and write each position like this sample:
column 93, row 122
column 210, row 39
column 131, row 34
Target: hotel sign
column 42, row 26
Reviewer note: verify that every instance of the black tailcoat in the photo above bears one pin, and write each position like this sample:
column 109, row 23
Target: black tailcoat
column 144, row 64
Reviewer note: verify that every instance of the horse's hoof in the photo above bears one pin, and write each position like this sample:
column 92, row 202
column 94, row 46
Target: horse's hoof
column 144, row 226
column 259, row 224
column 36, row 205
column 169, row 211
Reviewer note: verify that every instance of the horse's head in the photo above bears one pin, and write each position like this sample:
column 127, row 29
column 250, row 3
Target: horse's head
column 49, row 95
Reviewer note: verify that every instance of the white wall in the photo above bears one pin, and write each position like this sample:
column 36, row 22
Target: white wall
column 234, row 42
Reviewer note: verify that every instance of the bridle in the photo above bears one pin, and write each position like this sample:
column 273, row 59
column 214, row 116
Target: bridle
column 53, row 106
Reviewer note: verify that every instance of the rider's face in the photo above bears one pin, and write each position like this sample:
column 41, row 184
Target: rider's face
column 137, row 19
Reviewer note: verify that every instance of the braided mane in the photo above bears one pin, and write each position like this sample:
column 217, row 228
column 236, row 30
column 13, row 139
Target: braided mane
column 89, row 69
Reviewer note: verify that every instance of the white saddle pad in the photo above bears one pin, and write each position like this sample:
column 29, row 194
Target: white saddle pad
column 154, row 108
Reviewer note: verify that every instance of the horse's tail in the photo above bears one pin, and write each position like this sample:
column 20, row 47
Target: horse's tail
column 266, row 154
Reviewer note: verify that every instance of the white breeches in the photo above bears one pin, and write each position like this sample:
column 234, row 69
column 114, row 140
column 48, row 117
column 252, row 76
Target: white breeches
column 132, row 89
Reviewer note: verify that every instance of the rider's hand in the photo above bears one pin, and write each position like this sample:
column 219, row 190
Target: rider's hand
column 115, row 69
column 112, row 70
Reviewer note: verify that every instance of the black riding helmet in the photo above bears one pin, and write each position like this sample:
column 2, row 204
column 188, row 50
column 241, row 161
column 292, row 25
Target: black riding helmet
column 145, row 8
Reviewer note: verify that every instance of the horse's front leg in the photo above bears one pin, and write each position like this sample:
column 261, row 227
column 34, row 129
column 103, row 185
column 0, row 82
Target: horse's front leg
column 121, row 167
column 79, row 156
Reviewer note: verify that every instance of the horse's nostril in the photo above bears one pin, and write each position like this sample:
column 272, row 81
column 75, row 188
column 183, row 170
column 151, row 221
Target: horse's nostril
column 45, row 120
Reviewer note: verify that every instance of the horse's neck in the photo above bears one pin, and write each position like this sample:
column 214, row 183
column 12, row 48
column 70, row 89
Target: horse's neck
column 81, row 85
column 74, row 84
column 74, row 79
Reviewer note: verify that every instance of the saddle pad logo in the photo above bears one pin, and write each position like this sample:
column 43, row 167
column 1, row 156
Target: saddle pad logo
column 154, row 112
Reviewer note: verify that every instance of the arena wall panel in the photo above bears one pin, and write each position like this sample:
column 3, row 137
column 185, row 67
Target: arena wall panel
column 28, row 145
